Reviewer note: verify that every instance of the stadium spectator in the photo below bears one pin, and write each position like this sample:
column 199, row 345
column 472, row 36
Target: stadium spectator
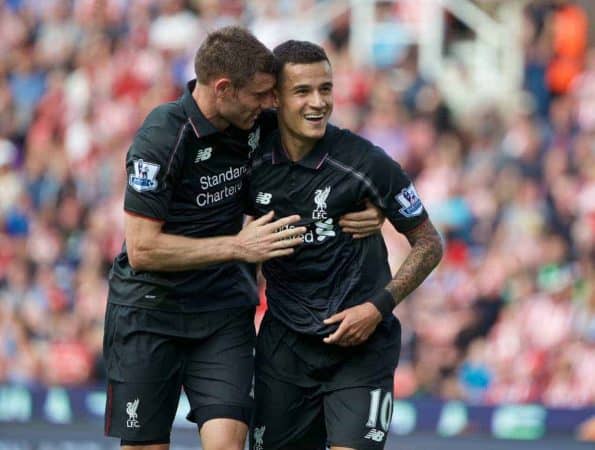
column 513, row 195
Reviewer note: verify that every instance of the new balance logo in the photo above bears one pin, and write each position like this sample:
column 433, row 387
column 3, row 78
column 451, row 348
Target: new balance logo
column 264, row 198
column 375, row 435
column 203, row 154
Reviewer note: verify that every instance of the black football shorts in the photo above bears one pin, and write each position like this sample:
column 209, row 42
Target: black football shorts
column 309, row 394
column 151, row 355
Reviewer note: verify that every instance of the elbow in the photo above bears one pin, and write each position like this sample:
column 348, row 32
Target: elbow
column 139, row 258
column 439, row 250
column 434, row 250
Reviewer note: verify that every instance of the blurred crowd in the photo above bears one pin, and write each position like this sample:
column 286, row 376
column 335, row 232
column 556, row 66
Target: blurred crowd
column 509, row 315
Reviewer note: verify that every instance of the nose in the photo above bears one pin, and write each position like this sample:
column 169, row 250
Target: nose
column 317, row 100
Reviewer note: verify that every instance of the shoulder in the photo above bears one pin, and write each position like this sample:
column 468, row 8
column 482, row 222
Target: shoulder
column 350, row 147
column 346, row 140
column 165, row 115
column 163, row 124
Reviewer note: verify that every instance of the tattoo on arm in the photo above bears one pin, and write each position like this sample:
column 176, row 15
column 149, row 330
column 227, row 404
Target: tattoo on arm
column 425, row 254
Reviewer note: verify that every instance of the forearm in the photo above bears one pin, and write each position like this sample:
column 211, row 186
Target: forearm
column 171, row 253
column 424, row 256
column 261, row 239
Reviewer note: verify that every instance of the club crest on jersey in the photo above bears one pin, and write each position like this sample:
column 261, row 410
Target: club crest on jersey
column 258, row 437
column 131, row 410
column 320, row 196
column 410, row 202
column 144, row 177
column 254, row 139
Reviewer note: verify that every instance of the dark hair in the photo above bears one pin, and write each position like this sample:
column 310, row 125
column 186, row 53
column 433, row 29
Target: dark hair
column 233, row 52
column 297, row 52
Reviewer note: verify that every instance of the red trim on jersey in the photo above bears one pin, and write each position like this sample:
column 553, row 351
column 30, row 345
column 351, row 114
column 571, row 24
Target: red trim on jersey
column 193, row 127
column 108, row 412
column 143, row 217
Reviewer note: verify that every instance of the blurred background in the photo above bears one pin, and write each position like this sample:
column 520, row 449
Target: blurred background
column 488, row 104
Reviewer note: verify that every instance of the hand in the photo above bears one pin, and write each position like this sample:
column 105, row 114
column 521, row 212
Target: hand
column 357, row 324
column 364, row 223
column 262, row 239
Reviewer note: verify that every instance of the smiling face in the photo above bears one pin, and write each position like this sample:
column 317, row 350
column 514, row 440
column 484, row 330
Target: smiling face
column 242, row 106
column 305, row 100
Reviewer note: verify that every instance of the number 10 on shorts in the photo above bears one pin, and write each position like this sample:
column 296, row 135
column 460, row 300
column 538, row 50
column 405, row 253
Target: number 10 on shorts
column 382, row 411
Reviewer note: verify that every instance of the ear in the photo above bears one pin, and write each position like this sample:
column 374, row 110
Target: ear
column 275, row 98
column 222, row 86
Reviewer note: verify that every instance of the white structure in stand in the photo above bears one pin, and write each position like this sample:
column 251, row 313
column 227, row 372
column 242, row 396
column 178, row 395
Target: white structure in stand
column 486, row 67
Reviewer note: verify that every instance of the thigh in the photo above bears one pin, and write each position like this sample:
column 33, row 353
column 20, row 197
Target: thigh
column 144, row 372
column 359, row 417
column 226, row 434
column 219, row 368
column 359, row 399
column 288, row 413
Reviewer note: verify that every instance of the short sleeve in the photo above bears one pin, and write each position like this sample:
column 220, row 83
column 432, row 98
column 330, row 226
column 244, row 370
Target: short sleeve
column 390, row 188
column 151, row 166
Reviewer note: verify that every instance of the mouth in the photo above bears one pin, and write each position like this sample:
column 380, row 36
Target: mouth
column 315, row 119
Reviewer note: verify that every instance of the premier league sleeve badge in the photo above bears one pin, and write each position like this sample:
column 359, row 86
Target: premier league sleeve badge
column 144, row 177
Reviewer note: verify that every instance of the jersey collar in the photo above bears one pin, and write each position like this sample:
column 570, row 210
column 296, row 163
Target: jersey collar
column 312, row 160
column 200, row 124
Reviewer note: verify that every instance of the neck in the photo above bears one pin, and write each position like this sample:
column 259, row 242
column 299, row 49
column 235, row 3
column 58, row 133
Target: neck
column 296, row 147
column 207, row 103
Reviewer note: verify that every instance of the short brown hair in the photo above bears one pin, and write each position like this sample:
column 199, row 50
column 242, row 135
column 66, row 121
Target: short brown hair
column 297, row 52
column 232, row 52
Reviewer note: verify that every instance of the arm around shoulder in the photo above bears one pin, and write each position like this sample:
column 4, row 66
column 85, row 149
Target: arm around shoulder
column 150, row 249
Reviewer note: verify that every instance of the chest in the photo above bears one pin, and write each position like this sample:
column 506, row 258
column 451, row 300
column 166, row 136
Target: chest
column 212, row 170
column 314, row 194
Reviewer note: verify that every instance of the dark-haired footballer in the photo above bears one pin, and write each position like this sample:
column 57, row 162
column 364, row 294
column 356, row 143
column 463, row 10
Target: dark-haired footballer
column 182, row 293
column 329, row 343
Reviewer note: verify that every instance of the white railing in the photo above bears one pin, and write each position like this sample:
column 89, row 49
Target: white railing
column 487, row 67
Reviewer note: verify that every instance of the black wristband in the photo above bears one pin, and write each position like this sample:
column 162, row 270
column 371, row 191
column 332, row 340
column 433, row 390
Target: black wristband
column 384, row 302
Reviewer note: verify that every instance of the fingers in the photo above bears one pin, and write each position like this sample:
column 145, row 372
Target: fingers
column 282, row 252
column 263, row 219
column 351, row 338
column 279, row 229
column 282, row 222
column 370, row 213
column 336, row 337
column 261, row 239
column 335, row 318
column 364, row 223
column 356, row 325
column 357, row 224
column 289, row 233
column 287, row 243
column 345, row 338
column 360, row 233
